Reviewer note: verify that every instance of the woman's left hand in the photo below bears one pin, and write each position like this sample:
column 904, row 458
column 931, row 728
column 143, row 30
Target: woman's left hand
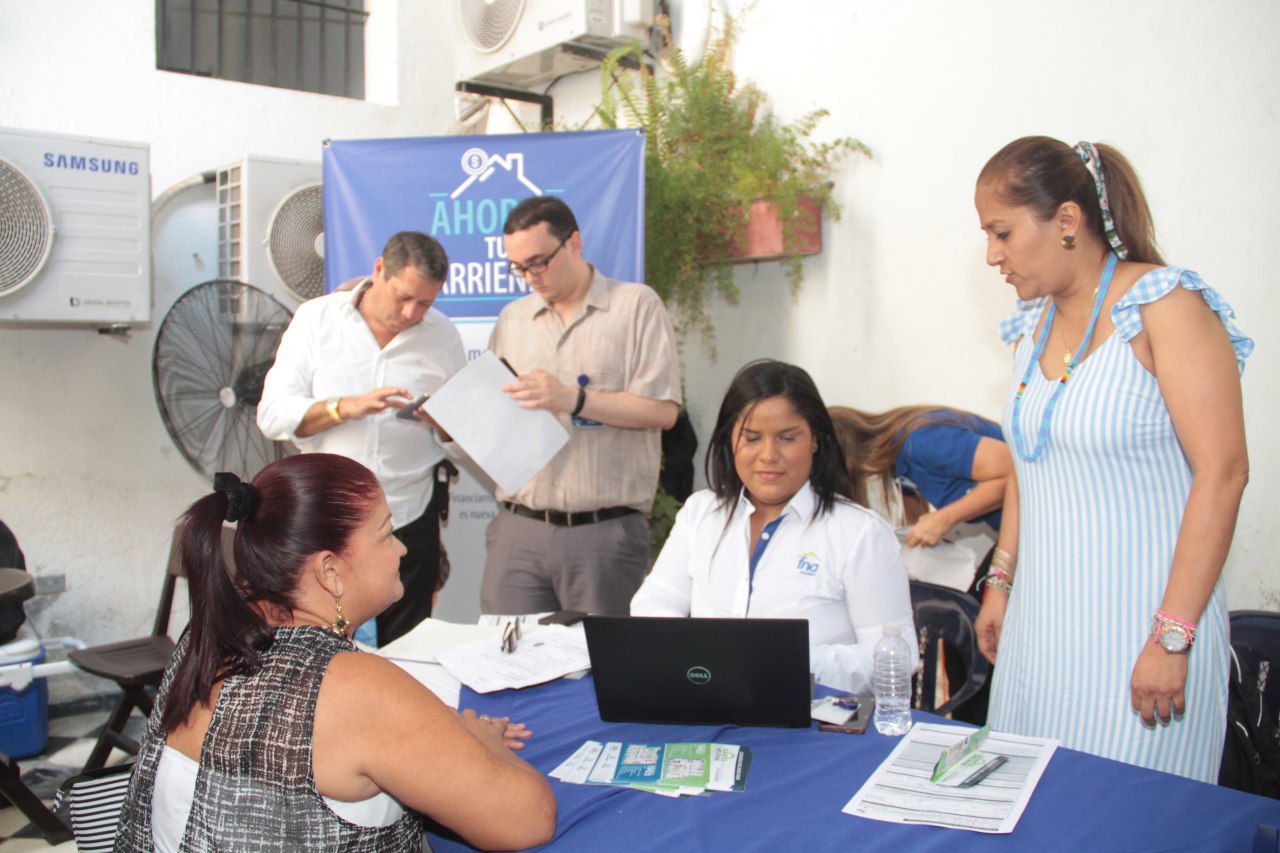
column 1158, row 684
column 929, row 529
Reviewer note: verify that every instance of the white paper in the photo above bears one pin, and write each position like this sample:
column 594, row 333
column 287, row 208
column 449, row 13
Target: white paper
column 575, row 768
column 435, row 635
column 550, row 652
column 509, row 443
column 954, row 561
column 435, row 678
column 900, row 791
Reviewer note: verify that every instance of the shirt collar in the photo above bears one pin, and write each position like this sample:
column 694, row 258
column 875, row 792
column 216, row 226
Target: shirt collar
column 801, row 505
column 597, row 294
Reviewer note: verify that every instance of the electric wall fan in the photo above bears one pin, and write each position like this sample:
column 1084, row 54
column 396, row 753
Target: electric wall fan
column 211, row 356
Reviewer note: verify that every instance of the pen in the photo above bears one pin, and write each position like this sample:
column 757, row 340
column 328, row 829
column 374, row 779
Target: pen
column 984, row 771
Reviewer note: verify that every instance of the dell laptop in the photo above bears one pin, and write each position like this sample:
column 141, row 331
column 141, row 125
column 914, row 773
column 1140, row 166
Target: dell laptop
column 746, row 672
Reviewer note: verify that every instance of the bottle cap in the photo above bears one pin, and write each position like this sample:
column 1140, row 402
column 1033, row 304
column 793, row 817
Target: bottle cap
column 893, row 629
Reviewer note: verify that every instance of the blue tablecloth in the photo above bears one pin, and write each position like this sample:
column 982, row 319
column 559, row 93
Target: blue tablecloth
column 800, row 779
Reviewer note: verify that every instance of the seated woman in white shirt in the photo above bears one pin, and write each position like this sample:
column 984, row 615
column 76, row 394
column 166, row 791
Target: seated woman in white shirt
column 773, row 537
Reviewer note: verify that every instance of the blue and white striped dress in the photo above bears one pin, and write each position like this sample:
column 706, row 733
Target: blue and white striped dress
column 1099, row 515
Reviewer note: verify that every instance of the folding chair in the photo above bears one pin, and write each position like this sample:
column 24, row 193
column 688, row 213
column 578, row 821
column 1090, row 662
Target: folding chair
column 135, row 665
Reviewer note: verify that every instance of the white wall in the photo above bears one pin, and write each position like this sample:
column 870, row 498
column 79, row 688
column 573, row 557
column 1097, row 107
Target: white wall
column 89, row 480
column 899, row 308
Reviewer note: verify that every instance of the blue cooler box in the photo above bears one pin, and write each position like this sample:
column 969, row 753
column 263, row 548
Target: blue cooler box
column 24, row 714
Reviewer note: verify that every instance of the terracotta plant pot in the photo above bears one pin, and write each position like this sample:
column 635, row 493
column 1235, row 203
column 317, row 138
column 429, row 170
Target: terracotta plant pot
column 762, row 237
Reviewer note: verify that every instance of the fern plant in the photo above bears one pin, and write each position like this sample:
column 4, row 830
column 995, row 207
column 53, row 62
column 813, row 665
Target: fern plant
column 712, row 147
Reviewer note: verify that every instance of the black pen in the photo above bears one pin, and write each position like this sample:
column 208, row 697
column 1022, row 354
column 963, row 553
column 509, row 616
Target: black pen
column 984, row 771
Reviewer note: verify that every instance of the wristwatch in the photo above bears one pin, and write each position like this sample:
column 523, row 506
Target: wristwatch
column 331, row 406
column 1174, row 637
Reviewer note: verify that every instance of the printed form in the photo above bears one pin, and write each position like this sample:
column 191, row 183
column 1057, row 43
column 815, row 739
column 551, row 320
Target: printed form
column 900, row 791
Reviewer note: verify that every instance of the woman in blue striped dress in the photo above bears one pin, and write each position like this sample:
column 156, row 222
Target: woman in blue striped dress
column 1127, row 427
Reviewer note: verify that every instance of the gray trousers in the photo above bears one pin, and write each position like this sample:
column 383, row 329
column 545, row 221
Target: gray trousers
column 532, row 567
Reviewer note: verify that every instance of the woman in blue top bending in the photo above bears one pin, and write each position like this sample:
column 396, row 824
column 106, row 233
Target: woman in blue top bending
column 956, row 461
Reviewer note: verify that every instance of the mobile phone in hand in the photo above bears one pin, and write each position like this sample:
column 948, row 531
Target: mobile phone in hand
column 408, row 411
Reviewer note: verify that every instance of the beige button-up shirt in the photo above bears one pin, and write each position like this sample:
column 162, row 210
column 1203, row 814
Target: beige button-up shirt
column 620, row 340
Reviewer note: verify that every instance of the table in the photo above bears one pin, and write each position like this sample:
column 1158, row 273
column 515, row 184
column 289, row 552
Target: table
column 800, row 779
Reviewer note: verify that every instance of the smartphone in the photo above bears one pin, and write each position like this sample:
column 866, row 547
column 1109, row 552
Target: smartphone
column 407, row 411
column 858, row 724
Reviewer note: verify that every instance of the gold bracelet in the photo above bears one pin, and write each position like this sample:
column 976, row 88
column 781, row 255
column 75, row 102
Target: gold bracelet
column 332, row 408
column 1003, row 562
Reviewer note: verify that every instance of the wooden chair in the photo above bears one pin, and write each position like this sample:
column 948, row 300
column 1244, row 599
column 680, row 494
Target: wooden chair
column 135, row 665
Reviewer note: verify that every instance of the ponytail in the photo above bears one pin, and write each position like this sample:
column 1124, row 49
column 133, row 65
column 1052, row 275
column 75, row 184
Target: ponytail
column 296, row 507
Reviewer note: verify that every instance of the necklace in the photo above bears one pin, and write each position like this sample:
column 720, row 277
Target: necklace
column 1066, row 358
column 1042, row 437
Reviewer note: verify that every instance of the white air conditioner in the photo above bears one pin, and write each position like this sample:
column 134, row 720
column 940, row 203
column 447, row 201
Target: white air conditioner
column 271, row 226
column 75, row 229
column 527, row 43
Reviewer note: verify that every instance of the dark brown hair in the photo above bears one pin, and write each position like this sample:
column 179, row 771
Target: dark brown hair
column 541, row 208
column 302, row 505
column 417, row 250
column 1043, row 174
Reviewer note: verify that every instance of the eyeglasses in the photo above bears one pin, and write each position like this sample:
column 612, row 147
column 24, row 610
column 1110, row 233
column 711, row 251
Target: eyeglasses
column 537, row 267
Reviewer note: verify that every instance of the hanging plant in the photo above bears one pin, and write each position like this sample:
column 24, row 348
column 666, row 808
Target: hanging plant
column 712, row 148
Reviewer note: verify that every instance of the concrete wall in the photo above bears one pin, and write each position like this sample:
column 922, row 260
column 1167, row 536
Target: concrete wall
column 899, row 308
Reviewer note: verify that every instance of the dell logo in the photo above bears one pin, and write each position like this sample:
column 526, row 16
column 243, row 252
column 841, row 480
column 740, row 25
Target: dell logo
column 698, row 675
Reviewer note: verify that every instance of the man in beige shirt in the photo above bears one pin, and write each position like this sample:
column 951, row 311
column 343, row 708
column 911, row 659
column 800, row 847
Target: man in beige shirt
column 601, row 356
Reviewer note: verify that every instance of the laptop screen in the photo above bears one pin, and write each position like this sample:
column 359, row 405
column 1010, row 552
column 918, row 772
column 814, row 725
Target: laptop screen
column 748, row 672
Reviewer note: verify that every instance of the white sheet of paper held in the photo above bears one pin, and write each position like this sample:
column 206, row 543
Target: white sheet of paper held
column 900, row 791
column 509, row 443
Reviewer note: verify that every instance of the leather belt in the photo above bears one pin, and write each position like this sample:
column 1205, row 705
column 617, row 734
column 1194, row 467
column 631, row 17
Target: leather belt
column 570, row 519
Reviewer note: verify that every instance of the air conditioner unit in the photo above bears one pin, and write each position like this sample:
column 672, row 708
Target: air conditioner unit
column 271, row 226
column 75, row 229
column 526, row 43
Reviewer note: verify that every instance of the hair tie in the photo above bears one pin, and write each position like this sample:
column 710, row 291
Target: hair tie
column 240, row 495
column 1093, row 162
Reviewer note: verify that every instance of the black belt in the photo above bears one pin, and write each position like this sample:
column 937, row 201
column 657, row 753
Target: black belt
column 570, row 519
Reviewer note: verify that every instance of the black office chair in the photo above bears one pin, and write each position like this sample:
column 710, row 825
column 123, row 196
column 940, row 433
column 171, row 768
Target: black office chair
column 135, row 665
column 1255, row 635
column 946, row 615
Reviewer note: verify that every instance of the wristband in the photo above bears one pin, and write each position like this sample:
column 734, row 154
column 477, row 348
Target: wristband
column 582, row 401
column 331, row 406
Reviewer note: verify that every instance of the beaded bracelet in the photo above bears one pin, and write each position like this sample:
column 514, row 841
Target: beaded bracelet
column 998, row 581
column 1190, row 626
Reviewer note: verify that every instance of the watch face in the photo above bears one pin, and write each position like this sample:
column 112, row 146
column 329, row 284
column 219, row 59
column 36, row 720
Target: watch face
column 1172, row 640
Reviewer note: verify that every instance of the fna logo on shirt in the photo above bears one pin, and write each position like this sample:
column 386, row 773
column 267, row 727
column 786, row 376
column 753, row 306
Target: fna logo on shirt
column 809, row 564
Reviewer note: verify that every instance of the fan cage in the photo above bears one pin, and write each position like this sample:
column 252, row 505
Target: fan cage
column 489, row 24
column 26, row 229
column 211, row 354
column 296, row 227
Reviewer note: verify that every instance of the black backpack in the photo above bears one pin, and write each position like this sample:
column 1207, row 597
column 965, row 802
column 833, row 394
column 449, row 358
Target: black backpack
column 1251, row 754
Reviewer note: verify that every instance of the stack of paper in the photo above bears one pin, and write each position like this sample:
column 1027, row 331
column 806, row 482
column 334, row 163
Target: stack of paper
column 669, row 769
column 901, row 790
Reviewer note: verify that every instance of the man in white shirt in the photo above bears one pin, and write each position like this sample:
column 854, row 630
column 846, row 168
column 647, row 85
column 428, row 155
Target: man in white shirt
column 348, row 362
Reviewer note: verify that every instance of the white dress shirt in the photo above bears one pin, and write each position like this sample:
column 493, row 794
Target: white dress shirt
column 842, row 571
column 329, row 351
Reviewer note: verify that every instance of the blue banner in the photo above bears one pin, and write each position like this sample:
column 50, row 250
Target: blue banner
column 459, row 189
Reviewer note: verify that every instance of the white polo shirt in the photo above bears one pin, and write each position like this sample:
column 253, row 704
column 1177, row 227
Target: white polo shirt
column 842, row 571
column 329, row 351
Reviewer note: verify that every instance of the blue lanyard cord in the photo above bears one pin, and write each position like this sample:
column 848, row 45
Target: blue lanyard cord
column 1042, row 437
column 766, row 536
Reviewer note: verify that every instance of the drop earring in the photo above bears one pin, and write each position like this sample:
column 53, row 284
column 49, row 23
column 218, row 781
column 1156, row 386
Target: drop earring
column 340, row 623
column 1068, row 241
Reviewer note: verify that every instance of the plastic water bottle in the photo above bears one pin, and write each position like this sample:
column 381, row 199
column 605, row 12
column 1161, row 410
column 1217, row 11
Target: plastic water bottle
column 891, row 681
